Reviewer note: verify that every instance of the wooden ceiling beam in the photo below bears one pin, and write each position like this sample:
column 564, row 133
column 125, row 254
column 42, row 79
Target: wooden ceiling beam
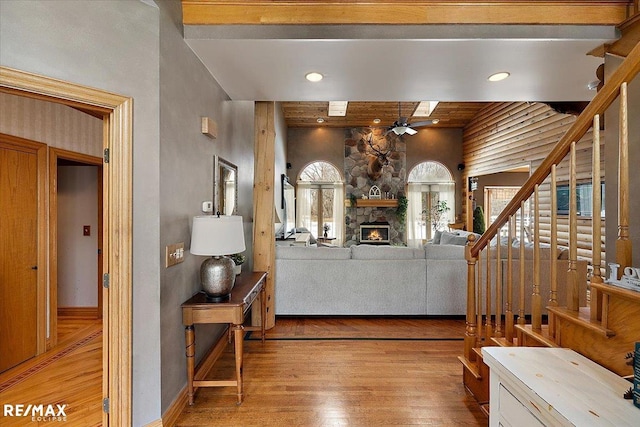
column 407, row 12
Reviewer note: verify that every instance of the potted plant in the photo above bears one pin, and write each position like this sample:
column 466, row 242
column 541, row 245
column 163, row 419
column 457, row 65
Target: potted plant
column 238, row 260
column 438, row 212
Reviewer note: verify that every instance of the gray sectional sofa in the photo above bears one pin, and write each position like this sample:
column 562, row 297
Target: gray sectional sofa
column 370, row 280
column 389, row 280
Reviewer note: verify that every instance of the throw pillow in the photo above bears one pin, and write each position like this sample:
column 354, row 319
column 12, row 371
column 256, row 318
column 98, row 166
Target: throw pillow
column 453, row 239
column 436, row 237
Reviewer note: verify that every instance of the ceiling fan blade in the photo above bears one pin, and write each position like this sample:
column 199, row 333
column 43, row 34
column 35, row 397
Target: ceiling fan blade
column 421, row 124
column 411, row 131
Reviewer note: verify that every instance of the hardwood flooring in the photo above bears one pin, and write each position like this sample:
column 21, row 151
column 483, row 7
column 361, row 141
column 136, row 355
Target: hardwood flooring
column 345, row 372
column 69, row 374
column 310, row 372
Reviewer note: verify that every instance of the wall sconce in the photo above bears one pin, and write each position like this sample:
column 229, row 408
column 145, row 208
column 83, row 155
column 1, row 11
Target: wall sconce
column 473, row 183
column 209, row 127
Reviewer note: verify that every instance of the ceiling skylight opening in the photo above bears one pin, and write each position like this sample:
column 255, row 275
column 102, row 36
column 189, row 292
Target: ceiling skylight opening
column 496, row 77
column 425, row 108
column 314, row 77
column 338, row 108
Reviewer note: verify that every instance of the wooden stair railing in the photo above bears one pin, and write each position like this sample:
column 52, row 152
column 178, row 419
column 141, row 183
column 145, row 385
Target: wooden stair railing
column 484, row 318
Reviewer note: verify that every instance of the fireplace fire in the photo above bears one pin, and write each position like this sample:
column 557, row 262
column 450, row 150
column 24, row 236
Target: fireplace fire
column 374, row 233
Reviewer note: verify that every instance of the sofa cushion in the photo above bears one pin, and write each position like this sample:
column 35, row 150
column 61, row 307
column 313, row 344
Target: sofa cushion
column 453, row 239
column 444, row 251
column 384, row 252
column 301, row 252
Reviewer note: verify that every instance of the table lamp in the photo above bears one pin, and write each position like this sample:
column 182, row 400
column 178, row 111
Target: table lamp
column 217, row 236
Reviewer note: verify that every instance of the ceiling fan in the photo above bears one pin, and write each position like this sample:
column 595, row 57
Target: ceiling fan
column 402, row 126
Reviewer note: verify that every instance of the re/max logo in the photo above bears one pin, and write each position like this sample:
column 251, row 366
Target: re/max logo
column 20, row 410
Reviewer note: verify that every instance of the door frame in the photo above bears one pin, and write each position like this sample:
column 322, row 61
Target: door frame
column 117, row 111
column 85, row 159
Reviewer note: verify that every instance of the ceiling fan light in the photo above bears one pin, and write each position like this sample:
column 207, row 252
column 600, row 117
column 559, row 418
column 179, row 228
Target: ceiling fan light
column 399, row 130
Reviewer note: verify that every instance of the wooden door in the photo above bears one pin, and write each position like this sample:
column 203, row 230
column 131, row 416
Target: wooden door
column 18, row 257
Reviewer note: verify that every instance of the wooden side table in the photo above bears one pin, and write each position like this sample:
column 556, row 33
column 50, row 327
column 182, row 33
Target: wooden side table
column 197, row 310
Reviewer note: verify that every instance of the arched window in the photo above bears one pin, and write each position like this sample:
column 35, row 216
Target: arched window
column 431, row 201
column 320, row 201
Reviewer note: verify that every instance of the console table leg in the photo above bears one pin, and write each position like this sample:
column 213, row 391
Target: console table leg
column 239, row 338
column 191, row 351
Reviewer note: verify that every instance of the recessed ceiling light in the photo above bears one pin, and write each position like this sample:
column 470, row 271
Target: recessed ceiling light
column 376, row 121
column 498, row 76
column 320, row 120
column 435, row 121
column 314, row 77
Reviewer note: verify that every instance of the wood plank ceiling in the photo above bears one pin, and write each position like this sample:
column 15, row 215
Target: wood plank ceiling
column 362, row 114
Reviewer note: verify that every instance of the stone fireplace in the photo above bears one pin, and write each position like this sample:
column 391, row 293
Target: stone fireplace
column 391, row 182
column 376, row 233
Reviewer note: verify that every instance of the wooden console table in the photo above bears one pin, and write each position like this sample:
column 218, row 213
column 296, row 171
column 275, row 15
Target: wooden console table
column 197, row 310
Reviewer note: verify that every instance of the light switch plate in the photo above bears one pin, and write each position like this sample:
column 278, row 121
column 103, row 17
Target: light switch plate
column 174, row 254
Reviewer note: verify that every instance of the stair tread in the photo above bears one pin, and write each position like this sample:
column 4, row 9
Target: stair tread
column 541, row 335
column 503, row 342
column 472, row 367
column 581, row 317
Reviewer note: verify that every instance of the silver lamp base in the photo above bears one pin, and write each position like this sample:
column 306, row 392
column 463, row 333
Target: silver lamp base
column 217, row 278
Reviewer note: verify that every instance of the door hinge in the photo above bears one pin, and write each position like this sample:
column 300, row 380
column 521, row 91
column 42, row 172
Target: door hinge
column 105, row 280
column 105, row 405
column 106, row 155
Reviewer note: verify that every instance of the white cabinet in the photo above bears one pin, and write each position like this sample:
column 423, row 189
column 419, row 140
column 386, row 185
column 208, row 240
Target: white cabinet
column 533, row 386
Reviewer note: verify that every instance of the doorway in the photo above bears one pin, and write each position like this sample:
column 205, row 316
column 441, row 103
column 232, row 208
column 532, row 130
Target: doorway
column 75, row 236
column 117, row 233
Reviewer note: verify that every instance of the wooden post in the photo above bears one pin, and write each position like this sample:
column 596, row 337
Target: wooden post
column 521, row 318
column 536, row 300
column 553, row 294
column 509, row 306
column 264, row 251
column 596, row 224
column 572, row 273
column 623, row 244
column 497, row 263
column 488, row 331
column 470, row 330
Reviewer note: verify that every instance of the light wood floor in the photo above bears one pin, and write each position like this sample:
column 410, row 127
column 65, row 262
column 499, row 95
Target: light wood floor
column 70, row 373
column 345, row 372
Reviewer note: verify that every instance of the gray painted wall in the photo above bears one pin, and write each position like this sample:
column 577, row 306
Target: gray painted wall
column 111, row 46
column 611, row 165
column 146, row 58
column 188, row 92
column 77, row 253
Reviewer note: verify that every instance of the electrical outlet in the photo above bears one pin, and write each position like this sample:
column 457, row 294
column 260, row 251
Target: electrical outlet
column 174, row 254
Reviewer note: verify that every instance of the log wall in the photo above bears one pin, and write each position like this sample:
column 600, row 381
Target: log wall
column 505, row 136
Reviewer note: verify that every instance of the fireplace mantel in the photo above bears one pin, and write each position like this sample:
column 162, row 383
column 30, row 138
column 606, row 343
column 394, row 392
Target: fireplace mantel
column 381, row 203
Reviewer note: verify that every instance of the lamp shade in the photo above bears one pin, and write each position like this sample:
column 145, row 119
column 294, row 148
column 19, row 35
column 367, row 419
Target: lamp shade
column 217, row 235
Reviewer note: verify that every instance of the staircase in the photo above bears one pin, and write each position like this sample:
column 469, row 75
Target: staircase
column 605, row 327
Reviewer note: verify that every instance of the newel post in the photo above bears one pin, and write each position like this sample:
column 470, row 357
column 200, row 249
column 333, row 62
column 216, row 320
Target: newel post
column 470, row 335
